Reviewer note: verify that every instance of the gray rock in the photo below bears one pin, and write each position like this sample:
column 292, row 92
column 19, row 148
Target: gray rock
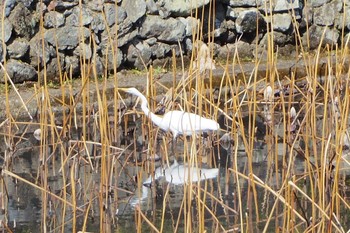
column 98, row 23
column 41, row 8
column 181, row 7
column 80, row 17
column 109, row 11
column 21, row 19
column 177, row 50
column 346, row 20
column 139, row 55
column 114, row 58
column 325, row 15
column 243, row 3
column 26, row 3
column 134, row 9
column 10, row 4
column 151, row 7
column 287, row 51
column 72, row 65
column 330, row 37
column 123, row 40
column 7, row 30
column 53, row 19
column 282, row 22
column 231, row 13
column 112, row 15
column 96, row 61
column 19, row 71
column 317, row 3
column 170, row 30
column 191, row 25
column 247, row 22
column 347, row 40
column 307, row 15
column 160, row 50
column 188, row 45
column 2, row 53
column 64, row 5
column 219, row 32
column 37, row 55
column 151, row 41
column 279, row 38
column 66, row 37
column 286, row 5
column 121, row 33
column 95, row 5
column 54, row 68
column 18, row 48
column 244, row 50
column 231, row 31
column 83, row 51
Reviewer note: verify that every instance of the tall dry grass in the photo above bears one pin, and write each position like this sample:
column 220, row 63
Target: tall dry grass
column 302, row 186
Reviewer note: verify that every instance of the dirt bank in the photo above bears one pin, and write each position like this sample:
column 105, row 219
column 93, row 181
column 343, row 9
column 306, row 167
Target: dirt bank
column 27, row 90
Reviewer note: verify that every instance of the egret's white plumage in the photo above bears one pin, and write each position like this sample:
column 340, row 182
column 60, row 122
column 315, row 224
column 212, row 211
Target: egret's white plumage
column 183, row 174
column 178, row 122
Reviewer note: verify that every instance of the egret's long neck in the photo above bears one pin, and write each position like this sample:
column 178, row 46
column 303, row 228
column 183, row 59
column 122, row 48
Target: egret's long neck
column 154, row 118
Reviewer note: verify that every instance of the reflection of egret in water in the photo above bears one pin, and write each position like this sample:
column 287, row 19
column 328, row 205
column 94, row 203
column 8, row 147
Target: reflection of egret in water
column 175, row 174
column 137, row 199
column 183, row 174
column 178, row 122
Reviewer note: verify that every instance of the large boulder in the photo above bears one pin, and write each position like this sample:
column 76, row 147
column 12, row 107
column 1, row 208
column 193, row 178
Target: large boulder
column 318, row 3
column 18, row 71
column 134, row 9
column 9, row 5
column 72, row 65
column 22, row 21
column 7, row 28
column 169, row 30
column 248, row 21
column 139, row 55
column 80, row 17
column 282, row 22
column 55, row 67
column 323, row 35
column 242, row 3
column 191, row 25
column 67, row 37
column 114, row 15
column 18, row 48
column 40, row 51
column 180, row 7
column 84, row 51
column 112, row 57
column 53, row 19
column 325, row 15
column 98, row 23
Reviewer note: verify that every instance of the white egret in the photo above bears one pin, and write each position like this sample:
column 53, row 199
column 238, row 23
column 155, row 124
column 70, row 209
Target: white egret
column 182, row 174
column 178, row 122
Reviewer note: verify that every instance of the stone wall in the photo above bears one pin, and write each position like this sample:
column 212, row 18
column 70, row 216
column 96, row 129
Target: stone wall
column 60, row 35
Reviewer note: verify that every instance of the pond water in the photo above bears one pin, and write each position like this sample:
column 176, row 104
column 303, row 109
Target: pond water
column 214, row 204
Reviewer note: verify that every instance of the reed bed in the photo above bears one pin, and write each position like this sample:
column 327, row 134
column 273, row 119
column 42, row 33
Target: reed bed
column 282, row 150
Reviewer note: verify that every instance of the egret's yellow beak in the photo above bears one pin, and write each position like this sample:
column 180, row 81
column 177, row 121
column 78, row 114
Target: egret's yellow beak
column 124, row 89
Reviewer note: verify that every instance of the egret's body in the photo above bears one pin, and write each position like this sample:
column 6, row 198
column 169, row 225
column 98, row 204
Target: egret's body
column 178, row 122
column 183, row 174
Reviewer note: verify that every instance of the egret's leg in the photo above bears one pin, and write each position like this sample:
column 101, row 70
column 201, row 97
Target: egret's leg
column 173, row 143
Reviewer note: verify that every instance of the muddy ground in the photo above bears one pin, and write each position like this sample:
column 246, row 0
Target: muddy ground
column 129, row 78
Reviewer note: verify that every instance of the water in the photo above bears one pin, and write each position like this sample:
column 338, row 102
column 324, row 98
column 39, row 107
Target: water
column 162, row 203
